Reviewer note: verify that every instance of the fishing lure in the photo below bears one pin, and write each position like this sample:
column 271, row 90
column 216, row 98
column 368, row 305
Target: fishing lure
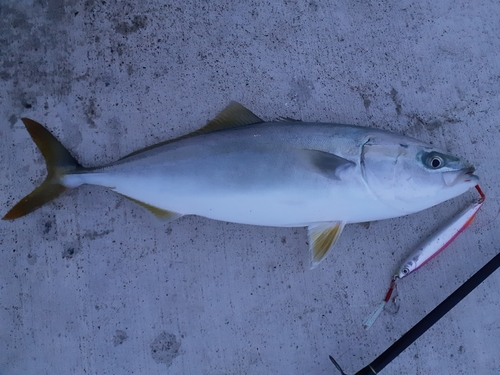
column 429, row 249
column 440, row 239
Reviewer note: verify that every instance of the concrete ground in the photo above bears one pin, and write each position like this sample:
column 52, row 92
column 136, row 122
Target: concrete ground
column 94, row 284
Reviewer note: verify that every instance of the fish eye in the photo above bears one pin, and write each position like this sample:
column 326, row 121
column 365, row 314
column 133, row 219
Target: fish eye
column 406, row 271
column 435, row 161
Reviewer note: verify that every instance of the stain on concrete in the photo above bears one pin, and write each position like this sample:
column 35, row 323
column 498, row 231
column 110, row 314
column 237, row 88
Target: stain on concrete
column 368, row 94
column 72, row 135
column 119, row 337
column 26, row 100
column 48, row 227
column 114, row 132
column 13, row 120
column 70, row 252
column 119, row 48
column 95, row 234
column 417, row 121
column 92, row 112
column 313, row 6
column 396, row 100
column 32, row 258
column 130, row 69
column 89, row 4
column 366, row 101
column 433, row 125
column 301, row 90
column 5, row 76
column 17, row 19
column 28, row 41
column 55, row 10
column 137, row 23
column 165, row 348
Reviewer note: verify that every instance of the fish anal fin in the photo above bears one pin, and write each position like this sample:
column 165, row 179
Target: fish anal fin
column 160, row 213
column 322, row 238
column 329, row 165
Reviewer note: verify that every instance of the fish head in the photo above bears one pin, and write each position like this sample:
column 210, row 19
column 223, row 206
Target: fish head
column 410, row 176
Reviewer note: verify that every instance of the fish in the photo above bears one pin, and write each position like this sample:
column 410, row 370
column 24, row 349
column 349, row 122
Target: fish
column 239, row 168
column 437, row 242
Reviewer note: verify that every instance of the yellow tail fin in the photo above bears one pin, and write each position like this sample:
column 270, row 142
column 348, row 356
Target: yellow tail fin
column 59, row 162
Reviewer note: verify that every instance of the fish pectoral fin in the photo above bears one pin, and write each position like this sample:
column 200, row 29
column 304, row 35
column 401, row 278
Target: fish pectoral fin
column 160, row 213
column 330, row 165
column 232, row 116
column 322, row 237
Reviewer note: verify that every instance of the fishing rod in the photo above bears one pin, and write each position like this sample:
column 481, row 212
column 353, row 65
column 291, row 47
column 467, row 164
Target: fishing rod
column 428, row 321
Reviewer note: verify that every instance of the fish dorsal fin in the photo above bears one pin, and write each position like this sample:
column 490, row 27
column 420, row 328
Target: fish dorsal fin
column 329, row 165
column 232, row 116
column 322, row 237
column 160, row 213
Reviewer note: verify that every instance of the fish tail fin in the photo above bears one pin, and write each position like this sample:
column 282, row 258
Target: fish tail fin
column 59, row 163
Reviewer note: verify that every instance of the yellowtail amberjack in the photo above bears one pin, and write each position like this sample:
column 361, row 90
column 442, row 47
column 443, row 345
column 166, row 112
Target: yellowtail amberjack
column 241, row 169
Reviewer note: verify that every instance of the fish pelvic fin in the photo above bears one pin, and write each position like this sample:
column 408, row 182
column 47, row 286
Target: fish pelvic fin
column 322, row 238
column 59, row 162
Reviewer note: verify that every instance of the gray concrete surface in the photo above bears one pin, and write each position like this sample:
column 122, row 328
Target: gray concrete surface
column 93, row 284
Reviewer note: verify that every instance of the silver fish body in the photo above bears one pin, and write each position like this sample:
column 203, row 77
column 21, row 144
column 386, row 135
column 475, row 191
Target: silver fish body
column 276, row 174
column 241, row 169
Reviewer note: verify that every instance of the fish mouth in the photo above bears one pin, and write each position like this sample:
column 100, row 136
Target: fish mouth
column 463, row 175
